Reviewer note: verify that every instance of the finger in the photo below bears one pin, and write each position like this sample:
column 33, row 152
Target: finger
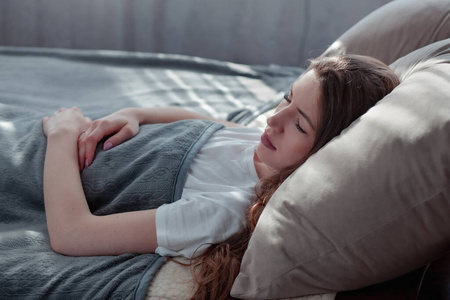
column 125, row 133
column 44, row 121
column 86, row 149
column 87, row 125
column 62, row 109
column 82, row 142
column 96, row 132
column 81, row 151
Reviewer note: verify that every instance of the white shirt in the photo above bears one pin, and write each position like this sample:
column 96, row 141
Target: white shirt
column 216, row 196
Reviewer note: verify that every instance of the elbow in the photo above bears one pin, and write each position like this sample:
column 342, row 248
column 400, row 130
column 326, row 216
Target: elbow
column 67, row 236
column 60, row 245
column 63, row 242
column 57, row 246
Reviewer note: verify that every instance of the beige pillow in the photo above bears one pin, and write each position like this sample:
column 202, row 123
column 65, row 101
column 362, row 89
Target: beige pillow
column 396, row 29
column 372, row 204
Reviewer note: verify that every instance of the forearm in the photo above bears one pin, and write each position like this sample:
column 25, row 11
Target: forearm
column 65, row 202
column 171, row 114
column 72, row 228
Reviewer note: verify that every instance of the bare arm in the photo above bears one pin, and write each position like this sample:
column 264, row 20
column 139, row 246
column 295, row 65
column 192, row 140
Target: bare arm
column 172, row 114
column 124, row 124
column 72, row 228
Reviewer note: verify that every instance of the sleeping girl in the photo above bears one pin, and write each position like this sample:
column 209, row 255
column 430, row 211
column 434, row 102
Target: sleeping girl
column 201, row 192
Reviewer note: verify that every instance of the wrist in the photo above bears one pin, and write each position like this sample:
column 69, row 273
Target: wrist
column 64, row 132
column 136, row 114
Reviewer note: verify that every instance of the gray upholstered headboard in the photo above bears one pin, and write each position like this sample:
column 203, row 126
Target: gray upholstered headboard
column 283, row 32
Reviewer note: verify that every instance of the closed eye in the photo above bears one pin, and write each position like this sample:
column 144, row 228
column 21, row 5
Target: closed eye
column 297, row 122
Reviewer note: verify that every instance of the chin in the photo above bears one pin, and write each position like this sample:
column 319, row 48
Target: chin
column 263, row 156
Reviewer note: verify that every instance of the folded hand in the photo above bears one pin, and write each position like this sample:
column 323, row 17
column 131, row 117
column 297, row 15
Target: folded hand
column 121, row 125
column 68, row 122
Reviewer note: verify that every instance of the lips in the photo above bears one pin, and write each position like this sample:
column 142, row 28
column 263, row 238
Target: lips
column 266, row 142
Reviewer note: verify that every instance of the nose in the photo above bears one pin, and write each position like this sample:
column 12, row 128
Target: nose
column 275, row 121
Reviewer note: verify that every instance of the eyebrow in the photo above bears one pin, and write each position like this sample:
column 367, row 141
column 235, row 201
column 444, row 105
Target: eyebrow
column 308, row 119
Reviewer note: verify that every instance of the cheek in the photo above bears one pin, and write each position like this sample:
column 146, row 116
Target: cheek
column 299, row 149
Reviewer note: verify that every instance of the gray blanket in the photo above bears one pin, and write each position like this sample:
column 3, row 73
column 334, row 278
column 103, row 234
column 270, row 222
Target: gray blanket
column 33, row 84
column 146, row 171
column 142, row 173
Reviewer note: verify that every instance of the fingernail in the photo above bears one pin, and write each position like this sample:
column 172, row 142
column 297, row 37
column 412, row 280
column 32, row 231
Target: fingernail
column 86, row 163
column 107, row 146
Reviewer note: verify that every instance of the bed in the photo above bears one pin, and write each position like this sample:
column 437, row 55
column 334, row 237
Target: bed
column 36, row 82
column 336, row 251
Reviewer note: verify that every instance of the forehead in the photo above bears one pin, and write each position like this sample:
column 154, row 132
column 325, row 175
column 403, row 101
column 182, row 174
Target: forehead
column 305, row 94
column 307, row 83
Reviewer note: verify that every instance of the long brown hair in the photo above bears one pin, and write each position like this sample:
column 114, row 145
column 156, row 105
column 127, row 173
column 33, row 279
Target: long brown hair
column 349, row 86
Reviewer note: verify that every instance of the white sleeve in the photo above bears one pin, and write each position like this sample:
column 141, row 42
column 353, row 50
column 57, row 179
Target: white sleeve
column 218, row 191
column 185, row 226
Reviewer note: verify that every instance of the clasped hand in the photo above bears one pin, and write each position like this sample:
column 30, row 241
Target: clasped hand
column 119, row 126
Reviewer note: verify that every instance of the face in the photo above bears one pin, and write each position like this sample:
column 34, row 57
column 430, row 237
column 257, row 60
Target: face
column 291, row 130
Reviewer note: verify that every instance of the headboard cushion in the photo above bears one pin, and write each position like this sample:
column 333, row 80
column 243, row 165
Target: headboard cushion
column 396, row 29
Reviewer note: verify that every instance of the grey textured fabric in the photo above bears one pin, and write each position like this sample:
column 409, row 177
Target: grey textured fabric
column 396, row 29
column 252, row 32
